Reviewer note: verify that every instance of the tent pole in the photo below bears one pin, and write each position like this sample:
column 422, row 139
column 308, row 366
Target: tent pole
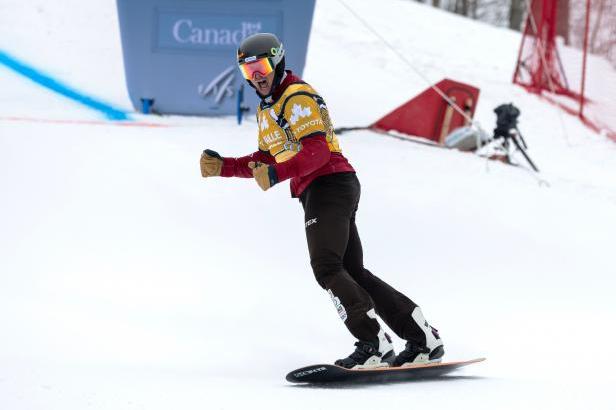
column 584, row 59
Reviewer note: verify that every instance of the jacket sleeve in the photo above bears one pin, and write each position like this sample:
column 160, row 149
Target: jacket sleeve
column 238, row 167
column 314, row 154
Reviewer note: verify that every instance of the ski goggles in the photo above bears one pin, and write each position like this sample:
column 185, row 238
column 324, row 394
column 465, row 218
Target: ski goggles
column 262, row 66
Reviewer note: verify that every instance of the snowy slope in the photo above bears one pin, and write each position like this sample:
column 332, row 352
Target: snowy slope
column 128, row 281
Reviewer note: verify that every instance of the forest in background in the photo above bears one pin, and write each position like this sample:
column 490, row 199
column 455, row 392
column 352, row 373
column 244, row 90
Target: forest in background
column 571, row 18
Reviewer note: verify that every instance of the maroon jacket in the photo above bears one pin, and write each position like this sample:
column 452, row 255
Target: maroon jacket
column 313, row 160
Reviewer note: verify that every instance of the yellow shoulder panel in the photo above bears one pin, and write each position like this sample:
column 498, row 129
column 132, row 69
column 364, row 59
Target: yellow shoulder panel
column 303, row 115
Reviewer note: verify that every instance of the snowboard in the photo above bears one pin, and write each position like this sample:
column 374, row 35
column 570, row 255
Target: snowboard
column 327, row 373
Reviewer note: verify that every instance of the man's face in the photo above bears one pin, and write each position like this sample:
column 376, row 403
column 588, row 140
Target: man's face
column 262, row 83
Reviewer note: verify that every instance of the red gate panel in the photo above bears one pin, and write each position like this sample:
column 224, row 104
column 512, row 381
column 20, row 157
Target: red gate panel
column 428, row 115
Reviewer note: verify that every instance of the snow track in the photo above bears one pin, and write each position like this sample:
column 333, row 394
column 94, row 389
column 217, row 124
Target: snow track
column 128, row 281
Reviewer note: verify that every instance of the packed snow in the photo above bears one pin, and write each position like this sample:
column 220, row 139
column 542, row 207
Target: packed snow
column 127, row 281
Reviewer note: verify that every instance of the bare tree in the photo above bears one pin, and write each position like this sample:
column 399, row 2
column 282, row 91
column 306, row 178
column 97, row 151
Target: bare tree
column 562, row 20
column 595, row 45
column 461, row 7
column 516, row 14
column 472, row 8
column 495, row 12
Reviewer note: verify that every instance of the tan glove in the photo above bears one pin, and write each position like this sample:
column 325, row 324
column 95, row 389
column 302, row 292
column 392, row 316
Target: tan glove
column 265, row 175
column 211, row 164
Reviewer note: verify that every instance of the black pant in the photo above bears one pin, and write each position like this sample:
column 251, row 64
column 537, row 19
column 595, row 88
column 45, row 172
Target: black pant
column 330, row 204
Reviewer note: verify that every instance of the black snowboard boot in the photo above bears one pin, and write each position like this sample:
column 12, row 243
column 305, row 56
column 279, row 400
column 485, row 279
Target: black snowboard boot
column 370, row 355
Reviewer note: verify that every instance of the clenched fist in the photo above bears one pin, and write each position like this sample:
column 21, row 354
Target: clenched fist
column 264, row 174
column 211, row 164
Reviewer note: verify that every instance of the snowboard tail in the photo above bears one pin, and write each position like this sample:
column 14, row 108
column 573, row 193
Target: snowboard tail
column 327, row 373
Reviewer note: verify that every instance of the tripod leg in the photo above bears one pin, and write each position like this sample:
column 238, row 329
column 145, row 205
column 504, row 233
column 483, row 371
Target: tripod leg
column 517, row 144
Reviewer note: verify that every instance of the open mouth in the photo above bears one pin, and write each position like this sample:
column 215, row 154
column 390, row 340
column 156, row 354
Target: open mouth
column 262, row 84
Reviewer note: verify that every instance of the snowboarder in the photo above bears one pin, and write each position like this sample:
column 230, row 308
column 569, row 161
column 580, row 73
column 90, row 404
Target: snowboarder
column 297, row 141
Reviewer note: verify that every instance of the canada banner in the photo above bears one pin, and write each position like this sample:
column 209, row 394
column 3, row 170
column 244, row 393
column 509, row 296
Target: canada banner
column 180, row 57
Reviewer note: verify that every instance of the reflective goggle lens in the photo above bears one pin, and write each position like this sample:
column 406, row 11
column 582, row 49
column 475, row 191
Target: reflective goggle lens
column 262, row 66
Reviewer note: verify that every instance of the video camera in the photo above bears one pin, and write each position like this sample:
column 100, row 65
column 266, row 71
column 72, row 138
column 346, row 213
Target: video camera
column 506, row 120
column 507, row 128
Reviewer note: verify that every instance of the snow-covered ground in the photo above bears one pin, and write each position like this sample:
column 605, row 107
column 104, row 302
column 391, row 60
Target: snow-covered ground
column 129, row 282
